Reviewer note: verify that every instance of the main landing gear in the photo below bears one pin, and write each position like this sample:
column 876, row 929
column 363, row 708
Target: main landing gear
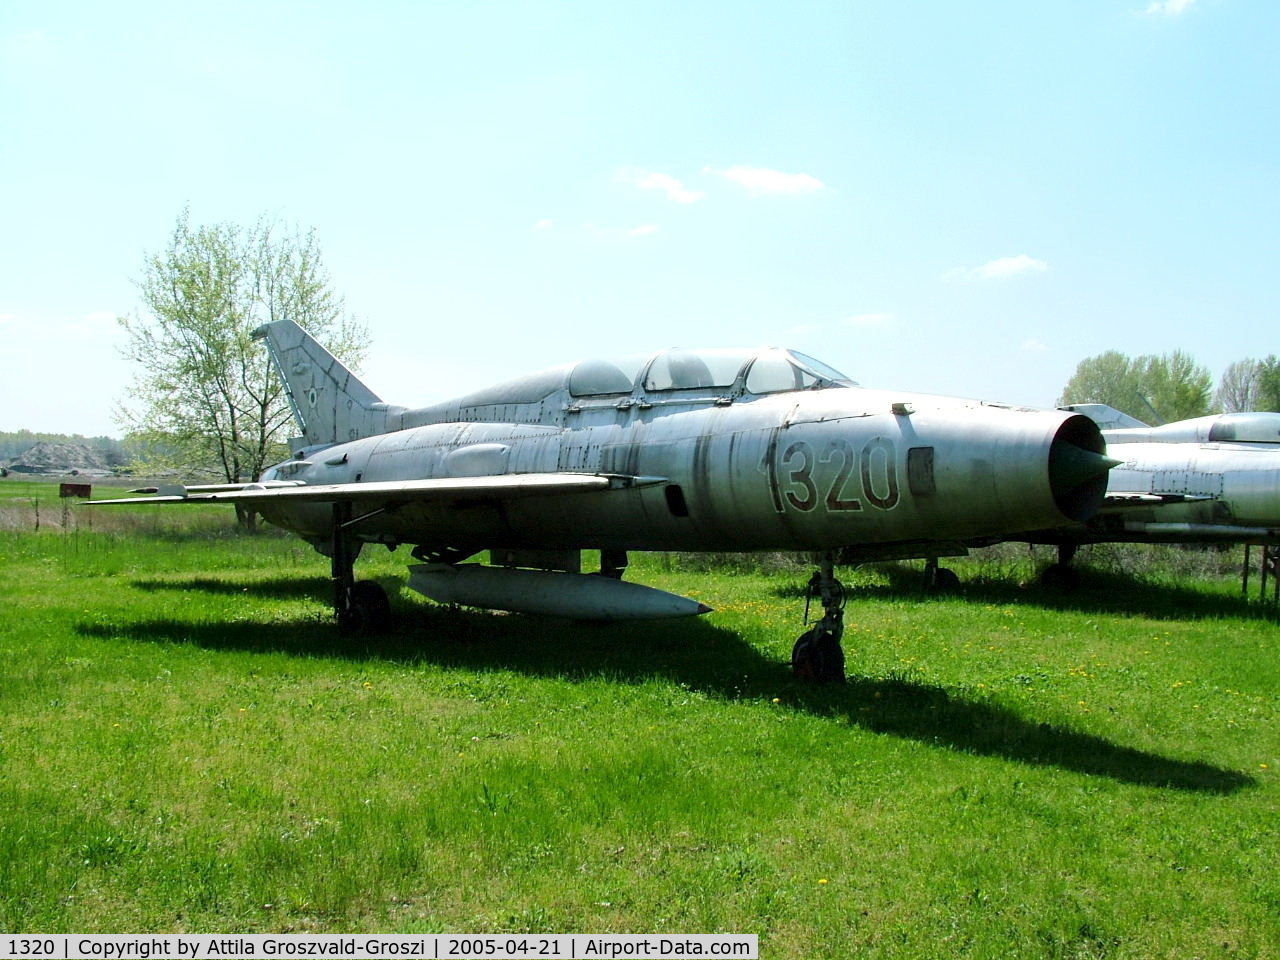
column 360, row 606
column 939, row 579
column 817, row 655
column 1062, row 575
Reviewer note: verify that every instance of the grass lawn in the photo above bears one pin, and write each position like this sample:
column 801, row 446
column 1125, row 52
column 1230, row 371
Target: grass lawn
column 187, row 744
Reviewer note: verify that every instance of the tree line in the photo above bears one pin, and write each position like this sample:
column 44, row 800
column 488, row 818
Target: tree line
column 1162, row 388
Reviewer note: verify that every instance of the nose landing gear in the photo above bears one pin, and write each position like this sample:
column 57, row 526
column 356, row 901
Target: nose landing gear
column 817, row 656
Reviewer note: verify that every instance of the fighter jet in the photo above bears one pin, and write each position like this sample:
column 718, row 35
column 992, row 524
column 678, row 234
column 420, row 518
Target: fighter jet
column 707, row 450
column 1212, row 479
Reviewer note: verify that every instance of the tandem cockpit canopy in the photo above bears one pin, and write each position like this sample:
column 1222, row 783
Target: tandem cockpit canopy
column 760, row 371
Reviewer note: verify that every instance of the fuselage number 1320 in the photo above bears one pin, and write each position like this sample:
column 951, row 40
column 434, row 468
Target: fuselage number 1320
column 834, row 476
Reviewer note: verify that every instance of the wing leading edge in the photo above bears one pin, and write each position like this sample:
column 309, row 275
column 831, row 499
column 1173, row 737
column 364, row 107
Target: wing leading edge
column 508, row 486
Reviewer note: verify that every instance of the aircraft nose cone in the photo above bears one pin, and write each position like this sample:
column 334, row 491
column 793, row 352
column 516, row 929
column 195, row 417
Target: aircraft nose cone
column 1071, row 465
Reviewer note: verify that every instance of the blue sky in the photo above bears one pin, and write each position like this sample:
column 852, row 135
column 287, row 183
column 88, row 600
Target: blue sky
column 961, row 198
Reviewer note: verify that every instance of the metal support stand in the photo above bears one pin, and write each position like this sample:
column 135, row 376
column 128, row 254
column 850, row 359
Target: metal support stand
column 1270, row 569
column 1268, row 573
column 817, row 656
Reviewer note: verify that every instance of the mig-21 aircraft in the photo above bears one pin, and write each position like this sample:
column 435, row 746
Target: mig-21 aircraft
column 1213, row 479
column 707, row 450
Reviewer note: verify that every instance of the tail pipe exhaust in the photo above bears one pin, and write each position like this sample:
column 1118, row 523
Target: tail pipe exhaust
column 1078, row 467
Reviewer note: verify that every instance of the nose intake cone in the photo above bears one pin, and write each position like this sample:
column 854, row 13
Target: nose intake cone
column 1071, row 465
column 1078, row 468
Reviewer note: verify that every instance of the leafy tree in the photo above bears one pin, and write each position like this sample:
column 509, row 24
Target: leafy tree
column 1175, row 385
column 206, row 398
column 1267, row 396
column 1166, row 387
column 1238, row 388
column 1108, row 378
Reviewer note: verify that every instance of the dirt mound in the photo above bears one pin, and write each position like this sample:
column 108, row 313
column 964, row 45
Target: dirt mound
column 59, row 459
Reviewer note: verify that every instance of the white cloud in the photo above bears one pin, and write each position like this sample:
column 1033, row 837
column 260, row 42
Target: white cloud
column 869, row 320
column 1001, row 268
column 759, row 181
column 1034, row 345
column 544, row 224
column 673, row 188
column 1168, row 8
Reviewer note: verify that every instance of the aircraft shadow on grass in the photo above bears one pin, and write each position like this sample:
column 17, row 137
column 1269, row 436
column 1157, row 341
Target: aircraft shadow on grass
column 278, row 588
column 1098, row 591
column 700, row 655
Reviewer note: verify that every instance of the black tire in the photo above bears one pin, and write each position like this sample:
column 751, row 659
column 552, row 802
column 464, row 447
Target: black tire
column 1060, row 576
column 943, row 580
column 369, row 610
column 817, row 657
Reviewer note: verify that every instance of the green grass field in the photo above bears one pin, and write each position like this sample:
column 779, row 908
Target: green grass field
column 186, row 744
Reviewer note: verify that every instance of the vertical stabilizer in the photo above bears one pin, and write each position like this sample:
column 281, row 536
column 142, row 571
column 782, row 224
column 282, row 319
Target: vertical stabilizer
column 329, row 402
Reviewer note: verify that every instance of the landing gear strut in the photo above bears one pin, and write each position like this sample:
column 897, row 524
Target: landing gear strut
column 613, row 563
column 817, row 655
column 1062, row 575
column 360, row 606
column 939, row 579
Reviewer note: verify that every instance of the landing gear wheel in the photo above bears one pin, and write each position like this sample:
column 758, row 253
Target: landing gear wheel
column 817, row 657
column 942, row 580
column 1060, row 576
column 368, row 610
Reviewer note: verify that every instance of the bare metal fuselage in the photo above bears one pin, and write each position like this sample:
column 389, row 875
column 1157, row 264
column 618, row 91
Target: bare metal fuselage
column 806, row 470
column 1205, row 492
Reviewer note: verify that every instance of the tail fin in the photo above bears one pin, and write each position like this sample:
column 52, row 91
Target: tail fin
column 329, row 402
